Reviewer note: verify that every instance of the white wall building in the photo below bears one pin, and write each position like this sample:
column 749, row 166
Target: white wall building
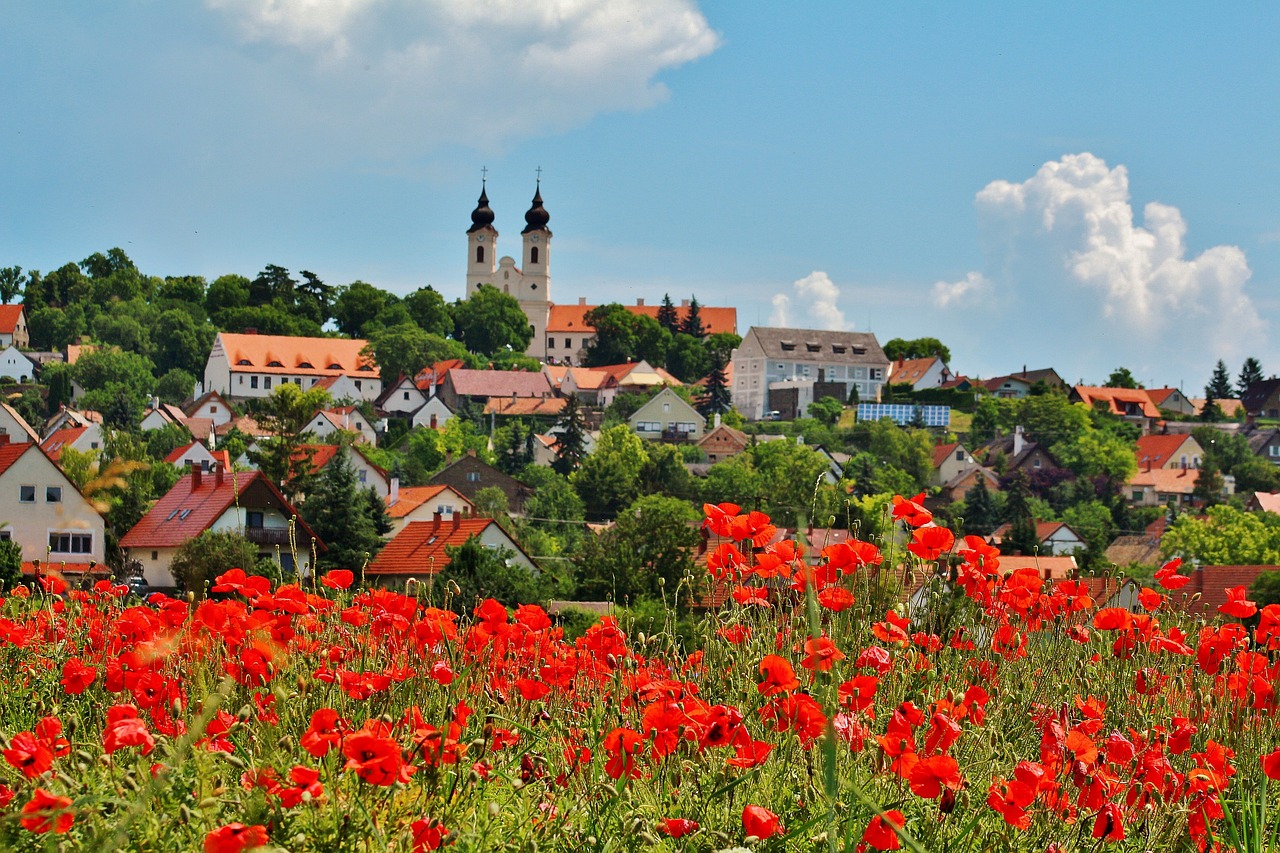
column 243, row 367
column 770, row 355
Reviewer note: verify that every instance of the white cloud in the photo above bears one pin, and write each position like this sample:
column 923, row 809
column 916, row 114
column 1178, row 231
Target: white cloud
column 947, row 292
column 1063, row 247
column 816, row 297
column 406, row 74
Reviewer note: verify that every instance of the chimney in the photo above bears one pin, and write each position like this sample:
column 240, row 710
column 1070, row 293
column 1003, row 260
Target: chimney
column 582, row 300
column 155, row 402
column 639, row 303
column 684, row 303
column 716, row 420
column 250, row 330
column 195, row 475
column 1018, row 441
column 435, row 522
column 471, row 452
column 394, row 494
column 457, row 520
column 434, row 421
column 218, row 473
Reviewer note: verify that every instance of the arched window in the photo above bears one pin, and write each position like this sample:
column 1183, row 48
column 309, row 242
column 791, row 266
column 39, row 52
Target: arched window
column 533, row 255
column 479, row 254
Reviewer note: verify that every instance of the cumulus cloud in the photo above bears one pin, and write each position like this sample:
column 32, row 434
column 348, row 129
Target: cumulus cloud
column 416, row 72
column 1064, row 246
column 971, row 286
column 815, row 305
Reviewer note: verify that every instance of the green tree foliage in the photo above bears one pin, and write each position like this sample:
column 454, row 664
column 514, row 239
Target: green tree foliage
column 617, row 335
column 314, row 298
column 1051, row 419
column 1266, row 589
column 405, row 350
column 339, row 514
column 691, row 324
column 482, row 572
column 687, row 358
column 910, row 451
column 227, row 292
column 1121, row 377
column 1021, row 538
column 208, row 555
column 553, row 508
column 1219, row 387
column 718, row 398
column 491, row 321
column 1094, row 454
column 1225, row 536
column 181, row 343
column 274, row 282
column 285, row 415
column 1209, row 484
column 56, row 376
column 429, row 310
column 986, row 421
column 513, row 445
column 186, row 291
column 664, row 473
column 10, row 564
column 981, row 515
column 12, row 281
column 827, row 410
column 898, row 348
column 357, row 304
column 51, row 328
column 117, row 381
column 646, row 555
column 668, row 317
column 571, row 438
column 1250, row 372
column 1095, row 523
column 1231, row 454
column 176, row 386
column 609, row 479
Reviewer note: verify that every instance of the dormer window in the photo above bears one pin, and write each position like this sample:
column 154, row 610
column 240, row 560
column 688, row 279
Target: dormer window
column 274, row 363
column 366, row 367
column 812, row 347
column 244, row 361
column 788, row 346
column 334, row 366
column 306, row 365
column 859, row 350
column 838, row 348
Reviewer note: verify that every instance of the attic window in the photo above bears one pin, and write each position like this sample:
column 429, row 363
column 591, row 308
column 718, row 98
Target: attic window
column 274, row 363
column 859, row 350
column 366, row 367
column 305, row 365
column 788, row 346
column 838, row 348
column 182, row 516
column 335, row 366
column 812, row 347
column 432, row 540
column 171, row 515
column 244, row 361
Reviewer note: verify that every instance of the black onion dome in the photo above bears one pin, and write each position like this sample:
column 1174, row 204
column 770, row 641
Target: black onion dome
column 537, row 216
column 482, row 216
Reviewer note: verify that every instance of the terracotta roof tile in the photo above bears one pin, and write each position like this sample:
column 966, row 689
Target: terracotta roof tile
column 941, row 452
column 571, row 318
column 9, row 315
column 419, row 549
column 60, row 439
column 525, row 406
column 257, row 353
column 1156, row 450
column 498, row 383
column 910, row 370
column 1169, row 481
column 10, row 453
column 1117, row 398
column 412, row 497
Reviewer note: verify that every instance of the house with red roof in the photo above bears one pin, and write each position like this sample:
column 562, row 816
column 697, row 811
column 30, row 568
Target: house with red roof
column 593, row 387
column 68, row 417
column 1172, row 400
column 920, row 373
column 328, row 423
column 44, row 512
column 1172, row 451
column 368, row 474
column 462, row 385
column 81, row 438
column 160, row 415
column 407, row 504
column 1055, row 537
column 197, row 454
column 420, row 549
column 1212, row 583
column 251, row 366
column 1132, row 404
column 244, row 502
column 1162, row 486
column 13, row 327
column 949, row 461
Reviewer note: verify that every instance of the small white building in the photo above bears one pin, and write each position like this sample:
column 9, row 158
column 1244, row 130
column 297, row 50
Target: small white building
column 328, row 423
column 667, row 417
column 15, row 365
column 45, row 513
column 839, row 362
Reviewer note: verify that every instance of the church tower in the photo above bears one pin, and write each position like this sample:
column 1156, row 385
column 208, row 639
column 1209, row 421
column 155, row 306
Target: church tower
column 482, row 245
column 535, row 279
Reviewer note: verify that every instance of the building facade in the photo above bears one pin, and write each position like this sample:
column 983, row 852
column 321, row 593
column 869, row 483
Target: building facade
column 770, row 357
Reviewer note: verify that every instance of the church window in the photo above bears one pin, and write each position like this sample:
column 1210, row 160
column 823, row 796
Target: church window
column 479, row 254
column 533, row 255
column 533, row 287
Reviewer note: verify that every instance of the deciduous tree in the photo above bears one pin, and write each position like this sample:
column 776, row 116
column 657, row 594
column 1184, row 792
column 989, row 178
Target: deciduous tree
column 491, row 321
column 199, row 560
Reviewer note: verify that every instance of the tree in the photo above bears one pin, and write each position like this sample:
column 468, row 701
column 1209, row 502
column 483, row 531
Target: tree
column 513, row 445
column 199, row 560
column 1121, row 378
column 687, row 359
column 285, row 415
column 481, row 572
column 1094, row 453
column 1250, row 372
column 405, row 350
column 1095, row 523
column 181, row 342
column 338, row 513
column 10, row 564
column 1211, row 412
column 553, row 507
column 646, row 555
column 608, row 479
column 664, row 473
column 176, row 386
column 357, row 304
column 1208, row 488
column 827, row 410
column 897, row 349
column 429, row 310
column 980, row 512
column 491, row 321
column 986, row 421
column 314, row 298
column 1021, row 538
column 11, row 283
column 668, row 317
column 226, row 292
column 1219, row 387
column 692, row 323
column 116, row 381
column 1225, row 536
column 718, row 398
column 571, row 438
column 1266, row 589
column 272, row 283
column 616, row 339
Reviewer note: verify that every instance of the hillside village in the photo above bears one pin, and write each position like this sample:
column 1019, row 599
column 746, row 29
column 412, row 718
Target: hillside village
column 160, row 430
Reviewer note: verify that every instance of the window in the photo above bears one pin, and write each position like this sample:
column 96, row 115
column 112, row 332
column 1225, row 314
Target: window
column 406, row 395
column 1036, row 462
column 155, row 555
column 666, row 407
column 27, row 494
column 473, row 476
column 266, row 382
column 275, row 363
column 959, row 455
column 1137, row 497
column 533, row 255
column 71, row 543
column 837, row 348
column 1274, row 450
column 53, row 494
column 686, row 428
column 877, row 373
column 648, row 426
column 362, row 476
column 253, row 518
column 357, row 384
column 253, row 382
column 6, row 536
column 479, row 254
column 445, row 509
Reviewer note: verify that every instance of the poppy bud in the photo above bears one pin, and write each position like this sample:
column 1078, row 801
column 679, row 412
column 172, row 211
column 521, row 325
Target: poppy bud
column 947, row 803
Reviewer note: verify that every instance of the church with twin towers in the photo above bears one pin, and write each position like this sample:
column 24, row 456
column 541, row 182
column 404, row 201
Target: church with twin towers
column 561, row 335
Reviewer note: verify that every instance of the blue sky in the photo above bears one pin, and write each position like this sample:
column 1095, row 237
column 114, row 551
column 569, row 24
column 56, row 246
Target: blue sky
column 1078, row 187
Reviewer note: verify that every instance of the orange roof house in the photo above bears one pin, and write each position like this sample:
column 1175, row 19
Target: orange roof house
column 243, row 366
column 1171, row 450
column 13, row 326
column 1132, row 404
column 407, row 504
column 419, row 550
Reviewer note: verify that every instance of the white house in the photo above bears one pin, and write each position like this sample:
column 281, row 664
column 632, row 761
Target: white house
column 243, row 367
column 212, row 407
column 330, row 422
column 15, row 426
column 838, row 362
column 45, row 513
column 422, row 503
column 667, row 417
column 84, row 439
column 433, row 414
column 919, row 373
column 403, row 398
column 13, row 327
column 15, row 365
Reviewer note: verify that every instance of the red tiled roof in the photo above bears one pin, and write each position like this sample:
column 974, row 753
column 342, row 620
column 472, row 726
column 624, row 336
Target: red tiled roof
column 1212, row 582
column 59, row 439
column 498, row 383
column 1054, row 568
column 941, row 452
column 1116, row 397
column 525, row 406
column 570, row 318
column 48, row 567
column 1229, row 407
column 419, row 547
column 177, row 452
column 1169, row 481
column 10, row 453
column 1156, row 450
column 186, row 512
column 9, row 315
column 412, row 497
column 259, row 351
column 910, row 370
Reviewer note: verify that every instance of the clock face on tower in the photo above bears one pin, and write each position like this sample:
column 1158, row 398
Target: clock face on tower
column 534, row 238
column 479, row 238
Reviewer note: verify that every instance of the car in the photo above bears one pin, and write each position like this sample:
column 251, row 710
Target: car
column 775, row 415
column 138, row 586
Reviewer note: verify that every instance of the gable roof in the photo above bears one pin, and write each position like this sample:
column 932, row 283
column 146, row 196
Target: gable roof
column 207, row 397
column 636, row 373
column 737, row 435
column 525, row 406
column 412, row 497
column 9, row 316
column 1258, row 393
column 498, row 383
column 1134, row 549
column 26, row 428
column 1160, row 395
column 798, row 344
column 911, row 370
column 1228, row 406
column 1044, row 530
column 1169, row 481
column 288, row 354
column 572, row 318
column 1156, row 450
column 1118, row 399
column 11, row 453
column 942, row 452
column 60, row 439
column 188, row 510
column 420, row 547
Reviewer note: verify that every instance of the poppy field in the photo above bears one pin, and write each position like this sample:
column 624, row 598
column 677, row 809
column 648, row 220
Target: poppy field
column 813, row 711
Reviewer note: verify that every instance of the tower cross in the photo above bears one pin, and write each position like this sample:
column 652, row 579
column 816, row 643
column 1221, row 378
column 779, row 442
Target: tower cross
column 484, row 173
column 539, row 171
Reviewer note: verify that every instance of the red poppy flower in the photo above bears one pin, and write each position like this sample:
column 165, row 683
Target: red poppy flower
column 28, row 754
column 836, row 599
column 1112, row 619
column 306, row 786
column 931, row 775
column 1109, row 824
column 750, row 753
column 859, row 693
column 720, row 517
column 779, row 677
column 47, row 813
column 1271, row 764
column 822, row 654
column 929, row 543
column 622, row 746
column 324, row 733
column 428, row 835
column 338, row 579
column 759, row 822
column 677, row 827
column 911, row 511
column 1167, row 575
column 375, row 758
column 234, row 838
column 882, row 832
column 1237, row 605
column 77, row 676
column 123, row 729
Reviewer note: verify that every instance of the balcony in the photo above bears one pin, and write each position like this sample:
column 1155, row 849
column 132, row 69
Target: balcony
column 271, row 536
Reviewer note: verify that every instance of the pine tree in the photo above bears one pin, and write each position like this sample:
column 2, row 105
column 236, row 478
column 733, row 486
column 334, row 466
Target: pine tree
column 668, row 317
column 718, row 398
column 1211, row 412
column 1219, row 387
column 1021, row 538
column 1208, row 488
column 571, row 439
column 979, row 509
column 692, row 322
column 337, row 512
column 1250, row 372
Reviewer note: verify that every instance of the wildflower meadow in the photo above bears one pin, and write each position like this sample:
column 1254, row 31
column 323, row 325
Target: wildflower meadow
column 900, row 694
